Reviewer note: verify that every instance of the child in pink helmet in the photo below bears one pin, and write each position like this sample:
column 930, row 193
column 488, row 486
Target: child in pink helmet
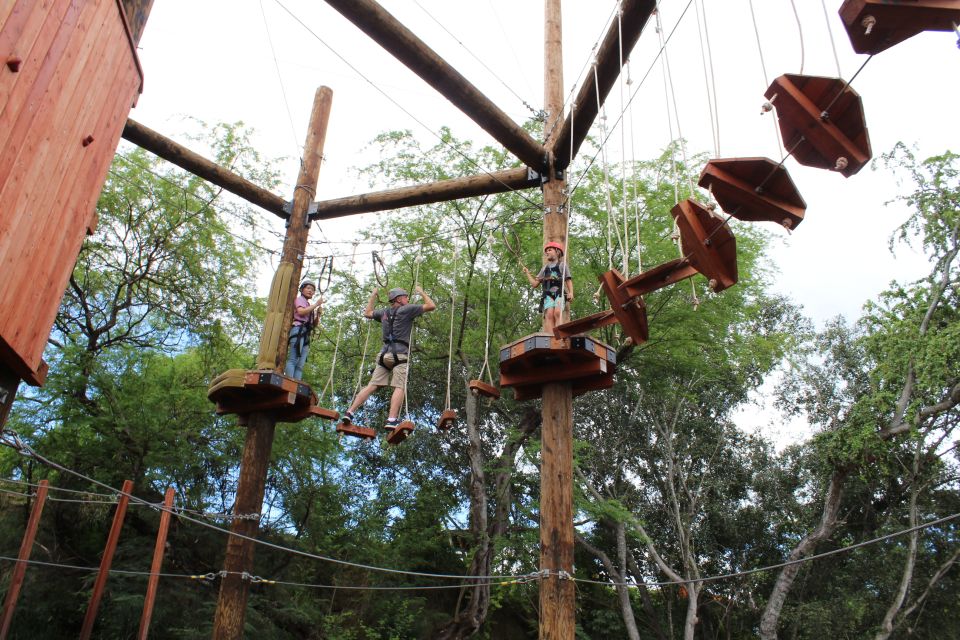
column 556, row 281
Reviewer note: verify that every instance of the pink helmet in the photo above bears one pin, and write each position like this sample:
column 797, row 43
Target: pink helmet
column 555, row 245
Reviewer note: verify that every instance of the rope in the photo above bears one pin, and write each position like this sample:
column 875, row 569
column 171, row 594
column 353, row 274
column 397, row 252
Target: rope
column 535, row 112
column 763, row 68
column 486, row 337
column 413, row 330
column 623, row 150
column 608, row 200
column 336, row 346
column 676, row 110
column 711, row 95
column 13, row 440
column 283, row 90
column 800, row 32
column 833, row 45
column 453, row 308
column 455, row 149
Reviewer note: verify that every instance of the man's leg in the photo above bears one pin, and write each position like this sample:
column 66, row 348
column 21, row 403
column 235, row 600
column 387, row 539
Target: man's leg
column 396, row 401
column 362, row 397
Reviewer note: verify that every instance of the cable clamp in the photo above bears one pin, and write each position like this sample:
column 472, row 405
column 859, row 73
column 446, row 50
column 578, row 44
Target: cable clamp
column 209, row 577
column 563, row 575
column 255, row 579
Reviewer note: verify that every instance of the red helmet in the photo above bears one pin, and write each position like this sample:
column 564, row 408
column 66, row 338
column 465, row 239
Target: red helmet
column 555, row 245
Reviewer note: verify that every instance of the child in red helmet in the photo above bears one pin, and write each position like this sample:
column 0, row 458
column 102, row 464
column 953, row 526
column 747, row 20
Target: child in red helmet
column 555, row 279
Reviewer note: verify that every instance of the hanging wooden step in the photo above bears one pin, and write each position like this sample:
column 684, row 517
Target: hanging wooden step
column 324, row 414
column 400, row 432
column 708, row 243
column 631, row 312
column 876, row 25
column 821, row 121
column 481, row 388
column 659, row 277
column 535, row 360
column 585, row 325
column 754, row 190
column 356, row 431
column 447, row 420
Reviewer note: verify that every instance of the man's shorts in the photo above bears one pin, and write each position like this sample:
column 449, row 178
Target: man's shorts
column 397, row 376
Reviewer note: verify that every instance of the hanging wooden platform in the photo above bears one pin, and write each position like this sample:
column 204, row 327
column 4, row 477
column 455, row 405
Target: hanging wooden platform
column 822, row 122
column 243, row 391
column 754, row 190
column 356, row 431
column 481, row 388
column 708, row 243
column 400, row 433
column 659, row 277
column 585, row 324
column 447, row 420
column 877, row 25
column 630, row 311
column 535, row 360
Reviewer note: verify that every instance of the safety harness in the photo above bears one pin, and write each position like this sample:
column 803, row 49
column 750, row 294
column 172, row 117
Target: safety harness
column 391, row 342
column 552, row 283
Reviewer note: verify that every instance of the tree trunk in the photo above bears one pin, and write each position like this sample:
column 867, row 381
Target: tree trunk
column 828, row 522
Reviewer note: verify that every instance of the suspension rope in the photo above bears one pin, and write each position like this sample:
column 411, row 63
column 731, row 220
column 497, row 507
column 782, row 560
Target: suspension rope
column 800, row 32
column 608, row 199
column 336, row 345
column 413, row 330
column 486, row 338
column 711, row 94
column 763, row 68
column 283, row 90
column 623, row 151
column 453, row 309
column 833, row 45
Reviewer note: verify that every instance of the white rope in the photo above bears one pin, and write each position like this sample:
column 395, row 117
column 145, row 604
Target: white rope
column 833, row 45
column 803, row 52
column 676, row 110
column 763, row 68
column 623, row 147
column 336, row 347
column 413, row 331
column 453, row 308
column 611, row 218
column 486, row 338
column 711, row 94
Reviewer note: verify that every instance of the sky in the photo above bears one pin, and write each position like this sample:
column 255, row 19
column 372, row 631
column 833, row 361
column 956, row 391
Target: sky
column 260, row 61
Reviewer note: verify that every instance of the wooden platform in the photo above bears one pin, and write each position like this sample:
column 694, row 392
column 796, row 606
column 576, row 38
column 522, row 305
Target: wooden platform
column 400, row 433
column 754, row 190
column 895, row 20
column 447, row 420
column 356, row 431
column 822, row 122
column 481, row 388
column 708, row 243
column 659, row 277
column 538, row 359
column 243, row 391
column 585, row 324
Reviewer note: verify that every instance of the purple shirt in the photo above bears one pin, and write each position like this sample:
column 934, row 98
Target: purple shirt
column 299, row 319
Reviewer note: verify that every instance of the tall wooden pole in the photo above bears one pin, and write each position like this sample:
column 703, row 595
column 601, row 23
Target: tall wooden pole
column 20, row 569
column 557, row 619
column 154, row 581
column 108, row 551
column 232, row 603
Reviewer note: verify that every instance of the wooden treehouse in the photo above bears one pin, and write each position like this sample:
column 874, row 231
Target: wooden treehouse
column 69, row 75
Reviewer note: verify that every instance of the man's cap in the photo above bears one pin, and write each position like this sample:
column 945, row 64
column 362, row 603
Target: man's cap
column 396, row 293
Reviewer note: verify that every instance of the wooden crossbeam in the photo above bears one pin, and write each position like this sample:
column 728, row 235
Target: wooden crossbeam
column 406, row 47
column 441, row 191
column 196, row 164
column 635, row 14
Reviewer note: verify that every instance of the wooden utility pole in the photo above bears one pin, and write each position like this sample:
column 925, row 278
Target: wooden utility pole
column 20, row 569
column 557, row 619
column 234, row 587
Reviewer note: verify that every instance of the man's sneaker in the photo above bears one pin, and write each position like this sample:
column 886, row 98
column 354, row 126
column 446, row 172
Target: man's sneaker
column 392, row 423
column 347, row 418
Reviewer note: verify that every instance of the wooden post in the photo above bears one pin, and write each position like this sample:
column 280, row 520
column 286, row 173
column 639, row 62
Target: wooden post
column 156, row 565
column 20, row 569
column 557, row 618
column 9, row 381
column 232, row 603
column 106, row 561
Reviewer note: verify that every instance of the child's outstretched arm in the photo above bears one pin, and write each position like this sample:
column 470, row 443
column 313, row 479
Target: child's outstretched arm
column 534, row 282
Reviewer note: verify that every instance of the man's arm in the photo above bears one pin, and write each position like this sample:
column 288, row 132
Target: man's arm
column 371, row 302
column 428, row 304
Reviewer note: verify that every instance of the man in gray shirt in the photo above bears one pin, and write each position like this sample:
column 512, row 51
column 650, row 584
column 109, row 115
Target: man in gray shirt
column 397, row 322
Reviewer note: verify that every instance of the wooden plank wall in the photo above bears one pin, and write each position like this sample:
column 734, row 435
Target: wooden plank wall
column 68, row 79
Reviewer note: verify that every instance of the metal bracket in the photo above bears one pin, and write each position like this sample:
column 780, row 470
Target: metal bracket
column 312, row 212
column 534, row 176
